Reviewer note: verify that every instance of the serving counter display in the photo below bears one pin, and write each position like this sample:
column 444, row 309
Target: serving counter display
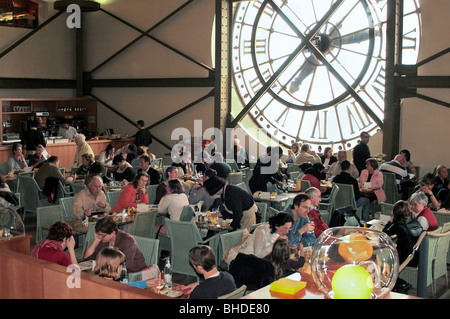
column 66, row 151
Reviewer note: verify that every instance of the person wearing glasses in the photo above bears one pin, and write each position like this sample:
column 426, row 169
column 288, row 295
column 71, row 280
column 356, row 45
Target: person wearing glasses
column 108, row 234
column 134, row 193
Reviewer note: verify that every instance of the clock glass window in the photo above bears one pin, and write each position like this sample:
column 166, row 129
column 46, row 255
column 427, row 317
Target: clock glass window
column 314, row 70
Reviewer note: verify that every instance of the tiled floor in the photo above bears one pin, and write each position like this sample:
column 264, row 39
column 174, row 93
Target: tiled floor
column 442, row 291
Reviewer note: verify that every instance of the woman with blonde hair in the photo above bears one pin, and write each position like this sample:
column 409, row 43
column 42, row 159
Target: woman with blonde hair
column 109, row 264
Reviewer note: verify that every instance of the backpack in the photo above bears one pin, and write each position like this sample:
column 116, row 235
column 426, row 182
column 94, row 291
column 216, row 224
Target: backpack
column 344, row 216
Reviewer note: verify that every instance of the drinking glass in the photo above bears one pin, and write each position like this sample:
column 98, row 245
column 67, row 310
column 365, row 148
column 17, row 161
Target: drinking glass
column 159, row 285
column 310, row 221
column 369, row 251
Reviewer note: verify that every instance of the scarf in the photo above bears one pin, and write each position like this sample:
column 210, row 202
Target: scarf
column 45, row 244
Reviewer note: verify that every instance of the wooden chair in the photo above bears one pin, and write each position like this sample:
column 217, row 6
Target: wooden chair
column 47, row 215
column 238, row 293
column 144, row 225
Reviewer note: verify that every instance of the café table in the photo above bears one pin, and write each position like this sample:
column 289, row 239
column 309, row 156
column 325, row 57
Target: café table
column 310, row 291
column 277, row 201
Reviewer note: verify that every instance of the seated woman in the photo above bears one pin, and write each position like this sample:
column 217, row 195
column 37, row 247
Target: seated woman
column 441, row 179
column 83, row 170
column 375, row 177
column 134, row 193
column 124, row 171
column 444, row 200
column 261, row 241
column 174, row 200
column 407, row 230
column 327, row 157
column 60, row 237
column 421, row 212
column 256, row 272
column 17, row 160
column 109, row 264
column 107, row 156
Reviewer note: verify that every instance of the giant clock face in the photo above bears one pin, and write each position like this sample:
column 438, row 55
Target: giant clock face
column 313, row 70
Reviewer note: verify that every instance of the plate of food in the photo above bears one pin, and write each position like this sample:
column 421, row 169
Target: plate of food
column 172, row 293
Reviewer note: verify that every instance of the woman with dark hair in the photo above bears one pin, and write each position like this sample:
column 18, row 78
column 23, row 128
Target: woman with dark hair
column 267, row 169
column 373, row 176
column 60, row 237
column 314, row 175
column 174, row 200
column 107, row 156
column 327, row 157
column 280, row 258
column 124, row 169
column 407, row 229
column 17, row 160
column 260, row 243
column 83, row 170
column 444, row 200
column 134, row 193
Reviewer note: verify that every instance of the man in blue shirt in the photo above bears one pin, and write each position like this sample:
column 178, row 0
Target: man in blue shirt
column 302, row 231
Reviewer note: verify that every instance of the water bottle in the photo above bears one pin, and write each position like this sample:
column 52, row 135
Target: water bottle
column 124, row 274
column 168, row 274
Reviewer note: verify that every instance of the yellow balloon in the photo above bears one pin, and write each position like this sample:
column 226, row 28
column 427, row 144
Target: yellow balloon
column 352, row 282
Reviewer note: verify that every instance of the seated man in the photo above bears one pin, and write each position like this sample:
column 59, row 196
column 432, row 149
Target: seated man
column 345, row 178
column 216, row 283
column 90, row 200
column 302, row 231
column 145, row 163
column 313, row 214
column 107, row 234
column 49, row 169
column 335, row 168
column 36, row 160
column 401, row 173
column 307, row 155
column 266, row 170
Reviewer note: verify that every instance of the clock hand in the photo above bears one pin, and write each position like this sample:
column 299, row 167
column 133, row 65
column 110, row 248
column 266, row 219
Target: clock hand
column 304, row 71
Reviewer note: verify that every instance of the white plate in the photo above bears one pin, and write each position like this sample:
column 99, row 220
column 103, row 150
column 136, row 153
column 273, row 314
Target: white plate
column 171, row 293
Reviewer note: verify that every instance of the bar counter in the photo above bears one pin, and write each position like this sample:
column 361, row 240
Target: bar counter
column 66, row 151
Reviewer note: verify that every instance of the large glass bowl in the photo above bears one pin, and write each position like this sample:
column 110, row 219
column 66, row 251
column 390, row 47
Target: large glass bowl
column 354, row 246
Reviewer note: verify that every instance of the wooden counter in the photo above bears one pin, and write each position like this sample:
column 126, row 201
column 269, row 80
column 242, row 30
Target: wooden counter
column 66, row 151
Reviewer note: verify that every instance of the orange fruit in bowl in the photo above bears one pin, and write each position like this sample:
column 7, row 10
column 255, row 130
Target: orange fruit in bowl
column 356, row 249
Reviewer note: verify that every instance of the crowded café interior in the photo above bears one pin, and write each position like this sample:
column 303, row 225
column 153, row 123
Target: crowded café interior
column 227, row 149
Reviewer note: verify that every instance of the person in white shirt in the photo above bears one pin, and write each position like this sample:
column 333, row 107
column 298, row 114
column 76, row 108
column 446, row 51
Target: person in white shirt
column 67, row 131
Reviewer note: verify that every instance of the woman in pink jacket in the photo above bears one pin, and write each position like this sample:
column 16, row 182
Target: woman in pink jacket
column 375, row 177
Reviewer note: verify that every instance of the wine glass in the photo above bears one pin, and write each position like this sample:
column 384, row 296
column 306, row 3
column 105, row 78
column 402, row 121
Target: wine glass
column 310, row 221
column 159, row 285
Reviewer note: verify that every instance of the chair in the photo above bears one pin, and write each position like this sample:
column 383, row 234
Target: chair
column 29, row 190
column 234, row 166
column 158, row 162
column 346, row 197
column 304, row 184
column 144, row 225
column 63, row 191
column 439, row 267
column 149, row 248
column 151, row 190
column 4, row 168
column 243, row 186
column 238, row 293
column 409, row 273
column 113, row 197
column 228, row 240
column 248, row 175
column 87, row 241
column 77, row 187
column 235, row 178
column 262, row 207
column 270, row 212
column 327, row 208
column 187, row 213
column 390, row 188
column 164, row 176
column 183, row 236
column 292, row 167
column 294, row 174
column 66, row 205
column 386, row 209
column 47, row 215
column 442, row 218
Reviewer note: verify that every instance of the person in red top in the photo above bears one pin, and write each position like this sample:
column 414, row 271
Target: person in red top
column 60, row 237
column 313, row 214
column 422, row 212
column 134, row 193
column 314, row 175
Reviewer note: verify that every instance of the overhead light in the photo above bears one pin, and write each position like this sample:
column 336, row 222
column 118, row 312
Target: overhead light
column 85, row 5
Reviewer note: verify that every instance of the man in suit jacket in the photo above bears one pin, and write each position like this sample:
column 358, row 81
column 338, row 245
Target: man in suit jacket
column 145, row 163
